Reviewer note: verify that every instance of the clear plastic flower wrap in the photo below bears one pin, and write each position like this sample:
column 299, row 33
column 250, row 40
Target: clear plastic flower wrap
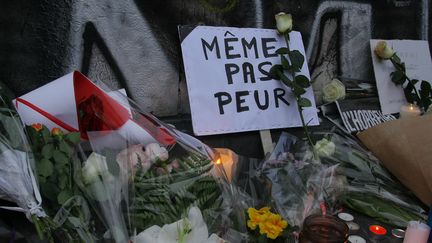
column 17, row 181
column 337, row 171
column 138, row 172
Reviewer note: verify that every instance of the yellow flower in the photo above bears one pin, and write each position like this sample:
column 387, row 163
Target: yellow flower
column 256, row 217
column 269, row 223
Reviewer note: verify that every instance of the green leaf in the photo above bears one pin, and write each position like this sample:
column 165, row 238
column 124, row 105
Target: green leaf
column 63, row 182
column 60, row 157
column 296, row 59
column 304, row 102
column 47, row 150
column 45, row 168
column 75, row 221
column 302, row 81
column 63, row 196
column 282, row 51
column 275, row 71
column 286, row 80
column 398, row 77
column 297, row 90
column 73, row 137
column 285, row 63
column 65, row 147
column 46, row 135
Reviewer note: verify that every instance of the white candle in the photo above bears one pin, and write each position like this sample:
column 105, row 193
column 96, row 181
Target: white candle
column 356, row 239
column 416, row 232
column 346, row 217
column 409, row 110
column 226, row 160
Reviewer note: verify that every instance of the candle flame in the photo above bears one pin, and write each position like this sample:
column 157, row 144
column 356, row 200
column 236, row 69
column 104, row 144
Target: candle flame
column 218, row 161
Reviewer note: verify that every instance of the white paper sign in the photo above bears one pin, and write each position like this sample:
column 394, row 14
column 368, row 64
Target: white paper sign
column 416, row 55
column 228, row 85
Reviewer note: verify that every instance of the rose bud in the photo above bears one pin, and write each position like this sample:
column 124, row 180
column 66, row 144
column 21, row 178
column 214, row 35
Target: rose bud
column 56, row 131
column 37, row 127
column 283, row 22
column 325, row 148
column 383, row 50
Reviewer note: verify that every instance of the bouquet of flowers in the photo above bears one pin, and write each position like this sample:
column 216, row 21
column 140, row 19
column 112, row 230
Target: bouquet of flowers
column 18, row 183
column 138, row 173
column 336, row 171
column 62, row 200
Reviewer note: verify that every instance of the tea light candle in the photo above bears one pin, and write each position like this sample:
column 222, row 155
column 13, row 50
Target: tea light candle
column 378, row 230
column 346, row 217
column 416, row 232
column 353, row 226
column 409, row 110
column 356, row 239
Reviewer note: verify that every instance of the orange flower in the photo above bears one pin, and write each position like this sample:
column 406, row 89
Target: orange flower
column 56, row 131
column 37, row 127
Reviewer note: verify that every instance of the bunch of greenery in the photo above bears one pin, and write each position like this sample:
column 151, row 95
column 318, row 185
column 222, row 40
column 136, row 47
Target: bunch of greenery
column 163, row 199
column 53, row 151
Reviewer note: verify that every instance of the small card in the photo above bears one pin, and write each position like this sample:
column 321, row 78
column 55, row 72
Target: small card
column 416, row 55
column 229, row 88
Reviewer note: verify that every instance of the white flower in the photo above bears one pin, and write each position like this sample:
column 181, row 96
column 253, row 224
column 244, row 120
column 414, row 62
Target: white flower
column 333, row 91
column 284, row 22
column 155, row 152
column 93, row 167
column 192, row 229
column 325, row 148
column 383, row 50
column 132, row 156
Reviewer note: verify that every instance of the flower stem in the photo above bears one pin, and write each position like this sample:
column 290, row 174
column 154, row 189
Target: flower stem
column 305, row 127
column 398, row 65
column 299, row 108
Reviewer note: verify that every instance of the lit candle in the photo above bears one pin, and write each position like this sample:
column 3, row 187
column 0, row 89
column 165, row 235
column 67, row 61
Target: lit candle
column 378, row 230
column 225, row 162
column 409, row 110
column 416, row 232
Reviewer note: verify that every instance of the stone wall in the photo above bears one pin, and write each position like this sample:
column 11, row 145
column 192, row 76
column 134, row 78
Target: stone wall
column 134, row 44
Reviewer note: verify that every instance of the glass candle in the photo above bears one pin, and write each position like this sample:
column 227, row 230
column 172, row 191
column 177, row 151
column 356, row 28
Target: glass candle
column 323, row 229
column 409, row 110
column 416, row 232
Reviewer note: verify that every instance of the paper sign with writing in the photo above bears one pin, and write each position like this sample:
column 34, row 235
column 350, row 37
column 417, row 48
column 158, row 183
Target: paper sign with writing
column 228, row 82
column 416, row 55
column 361, row 114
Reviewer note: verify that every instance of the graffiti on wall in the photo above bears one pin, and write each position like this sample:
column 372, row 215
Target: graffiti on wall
column 133, row 44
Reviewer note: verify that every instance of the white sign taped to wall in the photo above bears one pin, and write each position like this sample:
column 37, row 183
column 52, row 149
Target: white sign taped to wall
column 229, row 88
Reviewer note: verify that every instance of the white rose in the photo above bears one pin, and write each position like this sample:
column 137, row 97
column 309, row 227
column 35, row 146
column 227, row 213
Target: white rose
column 283, row 22
column 325, row 148
column 155, row 152
column 94, row 166
column 383, row 50
column 333, row 91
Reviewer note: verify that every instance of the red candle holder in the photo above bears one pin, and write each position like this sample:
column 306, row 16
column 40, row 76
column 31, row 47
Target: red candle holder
column 378, row 230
